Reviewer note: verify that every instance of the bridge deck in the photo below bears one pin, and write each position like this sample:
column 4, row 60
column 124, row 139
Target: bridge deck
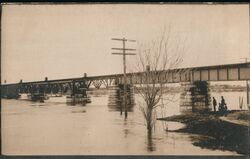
column 228, row 72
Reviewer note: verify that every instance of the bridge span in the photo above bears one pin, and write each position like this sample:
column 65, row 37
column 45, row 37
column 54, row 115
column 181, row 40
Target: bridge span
column 228, row 72
column 194, row 81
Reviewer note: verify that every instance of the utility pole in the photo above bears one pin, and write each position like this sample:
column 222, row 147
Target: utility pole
column 124, row 53
column 248, row 105
column 247, row 86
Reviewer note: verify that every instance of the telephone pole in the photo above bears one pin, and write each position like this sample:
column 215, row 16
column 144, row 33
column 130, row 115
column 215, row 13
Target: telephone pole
column 124, row 53
column 247, row 84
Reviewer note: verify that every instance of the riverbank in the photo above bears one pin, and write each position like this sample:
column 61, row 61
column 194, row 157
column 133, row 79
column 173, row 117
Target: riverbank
column 217, row 133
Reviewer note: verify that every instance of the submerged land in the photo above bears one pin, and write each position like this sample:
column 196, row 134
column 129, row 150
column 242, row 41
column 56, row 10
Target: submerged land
column 229, row 132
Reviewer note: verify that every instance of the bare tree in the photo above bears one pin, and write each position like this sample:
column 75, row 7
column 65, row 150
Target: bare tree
column 155, row 62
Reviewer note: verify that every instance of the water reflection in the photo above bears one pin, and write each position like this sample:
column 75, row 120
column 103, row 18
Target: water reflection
column 78, row 111
column 150, row 143
column 120, row 107
column 125, row 130
column 75, row 104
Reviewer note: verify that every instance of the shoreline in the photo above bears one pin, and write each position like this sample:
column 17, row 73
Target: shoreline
column 216, row 133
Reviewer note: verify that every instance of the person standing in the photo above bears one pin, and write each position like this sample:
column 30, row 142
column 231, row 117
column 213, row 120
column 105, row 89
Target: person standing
column 214, row 104
column 225, row 110
column 223, row 103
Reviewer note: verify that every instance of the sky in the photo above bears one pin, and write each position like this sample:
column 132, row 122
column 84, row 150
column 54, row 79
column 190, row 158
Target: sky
column 64, row 41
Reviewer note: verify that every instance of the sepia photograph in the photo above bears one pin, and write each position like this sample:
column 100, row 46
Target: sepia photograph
column 125, row 79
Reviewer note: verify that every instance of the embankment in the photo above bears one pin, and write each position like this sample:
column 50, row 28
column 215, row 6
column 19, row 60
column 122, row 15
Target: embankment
column 217, row 133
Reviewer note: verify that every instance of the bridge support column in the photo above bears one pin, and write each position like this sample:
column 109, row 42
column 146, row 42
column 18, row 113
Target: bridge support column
column 10, row 92
column 195, row 97
column 115, row 101
column 78, row 93
column 130, row 94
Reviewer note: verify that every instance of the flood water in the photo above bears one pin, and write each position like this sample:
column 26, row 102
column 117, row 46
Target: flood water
column 55, row 128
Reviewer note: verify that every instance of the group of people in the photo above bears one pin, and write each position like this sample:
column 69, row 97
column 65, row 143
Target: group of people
column 222, row 106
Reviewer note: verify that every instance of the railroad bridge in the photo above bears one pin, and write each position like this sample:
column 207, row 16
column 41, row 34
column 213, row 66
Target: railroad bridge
column 194, row 81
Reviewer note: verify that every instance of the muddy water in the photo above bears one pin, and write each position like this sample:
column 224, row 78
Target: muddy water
column 55, row 128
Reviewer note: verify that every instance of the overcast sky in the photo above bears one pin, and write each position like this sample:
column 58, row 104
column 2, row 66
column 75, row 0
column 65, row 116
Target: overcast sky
column 63, row 41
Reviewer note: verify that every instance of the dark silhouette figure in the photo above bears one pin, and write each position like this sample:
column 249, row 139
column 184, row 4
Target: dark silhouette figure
column 223, row 103
column 214, row 104
column 225, row 110
column 220, row 109
column 223, row 107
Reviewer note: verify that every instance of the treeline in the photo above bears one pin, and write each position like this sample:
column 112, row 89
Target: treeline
column 227, row 88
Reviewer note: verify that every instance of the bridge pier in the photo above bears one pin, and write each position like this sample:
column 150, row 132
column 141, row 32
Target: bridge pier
column 78, row 93
column 195, row 97
column 10, row 92
column 115, row 102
